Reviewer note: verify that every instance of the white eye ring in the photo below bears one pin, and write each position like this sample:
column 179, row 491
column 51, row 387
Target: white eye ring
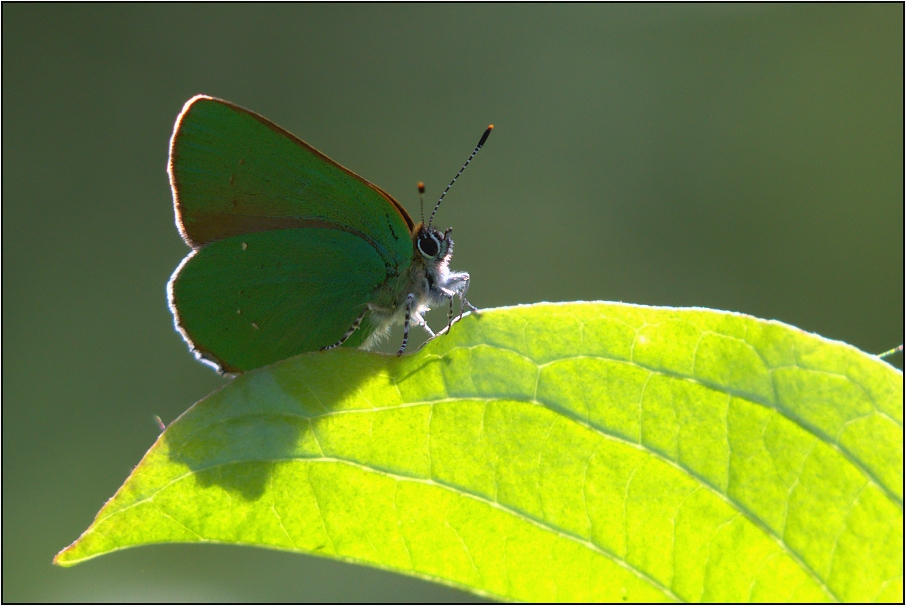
column 436, row 245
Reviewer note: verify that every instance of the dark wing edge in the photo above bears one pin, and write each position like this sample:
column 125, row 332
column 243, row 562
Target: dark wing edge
column 174, row 186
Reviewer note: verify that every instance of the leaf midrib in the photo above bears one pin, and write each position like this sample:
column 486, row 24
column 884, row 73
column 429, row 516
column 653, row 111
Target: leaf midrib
column 753, row 518
column 398, row 477
column 871, row 479
column 817, row 432
column 567, row 413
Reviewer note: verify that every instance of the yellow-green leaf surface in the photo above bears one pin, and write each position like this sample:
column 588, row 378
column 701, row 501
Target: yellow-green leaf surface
column 580, row 452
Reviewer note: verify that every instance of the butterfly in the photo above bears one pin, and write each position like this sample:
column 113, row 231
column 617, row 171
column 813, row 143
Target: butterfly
column 292, row 252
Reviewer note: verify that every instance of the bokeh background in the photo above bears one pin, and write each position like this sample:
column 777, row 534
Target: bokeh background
column 747, row 158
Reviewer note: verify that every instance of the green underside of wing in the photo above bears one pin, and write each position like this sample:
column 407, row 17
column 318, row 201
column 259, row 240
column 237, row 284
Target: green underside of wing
column 251, row 300
column 237, row 173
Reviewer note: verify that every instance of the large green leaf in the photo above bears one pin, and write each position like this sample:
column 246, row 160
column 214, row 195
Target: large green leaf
column 585, row 451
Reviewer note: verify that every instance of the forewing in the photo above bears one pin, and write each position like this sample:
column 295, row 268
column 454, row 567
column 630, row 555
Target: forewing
column 251, row 300
column 234, row 172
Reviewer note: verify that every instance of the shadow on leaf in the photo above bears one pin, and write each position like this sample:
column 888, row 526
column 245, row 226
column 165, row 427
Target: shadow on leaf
column 233, row 438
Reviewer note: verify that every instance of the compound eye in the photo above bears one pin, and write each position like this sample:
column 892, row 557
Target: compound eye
column 428, row 245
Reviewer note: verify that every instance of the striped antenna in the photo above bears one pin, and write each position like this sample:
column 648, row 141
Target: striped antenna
column 484, row 138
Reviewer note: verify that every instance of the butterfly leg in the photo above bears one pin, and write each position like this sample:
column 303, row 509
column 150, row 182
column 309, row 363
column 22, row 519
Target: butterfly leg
column 471, row 307
column 352, row 329
column 450, row 314
column 418, row 319
column 409, row 301
column 463, row 301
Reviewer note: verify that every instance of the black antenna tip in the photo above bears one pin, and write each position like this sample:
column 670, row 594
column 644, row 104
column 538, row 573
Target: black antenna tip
column 484, row 138
column 421, row 187
column 487, row 133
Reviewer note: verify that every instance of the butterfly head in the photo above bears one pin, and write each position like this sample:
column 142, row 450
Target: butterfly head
column 433, row 245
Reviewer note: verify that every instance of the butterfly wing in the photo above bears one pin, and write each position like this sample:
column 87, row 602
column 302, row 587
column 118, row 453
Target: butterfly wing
column 289, row 246
column 251, row 300
column 234, row 172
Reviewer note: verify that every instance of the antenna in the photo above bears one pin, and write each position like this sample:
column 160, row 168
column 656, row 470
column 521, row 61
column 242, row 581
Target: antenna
column 484, row 138
column 421, row 197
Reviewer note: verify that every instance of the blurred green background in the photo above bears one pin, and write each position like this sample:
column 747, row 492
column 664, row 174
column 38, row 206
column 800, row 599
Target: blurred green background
column 747, row 158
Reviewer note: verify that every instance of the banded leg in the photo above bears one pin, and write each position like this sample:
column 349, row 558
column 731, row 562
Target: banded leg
column 409, row 301
column 352, row 329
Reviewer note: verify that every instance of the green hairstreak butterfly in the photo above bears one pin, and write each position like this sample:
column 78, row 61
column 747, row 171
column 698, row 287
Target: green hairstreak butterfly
column 291, row 252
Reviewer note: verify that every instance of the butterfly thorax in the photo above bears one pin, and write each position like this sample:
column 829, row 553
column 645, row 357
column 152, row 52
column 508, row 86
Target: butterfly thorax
column 429, row 280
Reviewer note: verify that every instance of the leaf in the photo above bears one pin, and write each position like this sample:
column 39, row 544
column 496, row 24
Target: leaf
column 579, row 452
